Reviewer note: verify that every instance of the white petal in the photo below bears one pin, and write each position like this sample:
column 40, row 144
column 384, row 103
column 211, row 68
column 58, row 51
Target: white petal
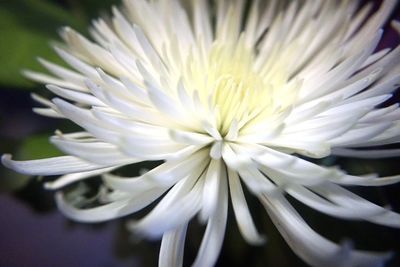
column 360, row 135
column 365, row 181
column 282, row 164
column 242, row 213
column 201, row 21
column 216, row 150
column 48, row 112
column 356, row 106
column 251, row 176
column 318, row 203
column 164, row 175
column 85, row 119
column 44, row 101
column 90, row 52
column 50, row 166
column 375, row 57
column 152, row 148
column 77, row 64
column 74, row 177
column 95, row 151
column 109, row 211
column 150, row 52
column 283, row 176
column 172, row 247
column 125, row 30
column 75, row 96
column 191, row 138
column 212, row 240
column 181, row 203
column 309, row 148
column 380, row 114
column 63, row 73
column 211, row 189
column 311, row 247
column 135, row 90
column 344, row 197
column 47, row 79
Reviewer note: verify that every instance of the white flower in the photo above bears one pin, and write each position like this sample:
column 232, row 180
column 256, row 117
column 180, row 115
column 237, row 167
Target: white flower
column 225, row 100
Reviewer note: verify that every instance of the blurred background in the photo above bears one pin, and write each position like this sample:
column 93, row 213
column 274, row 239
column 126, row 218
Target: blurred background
column 34, row 233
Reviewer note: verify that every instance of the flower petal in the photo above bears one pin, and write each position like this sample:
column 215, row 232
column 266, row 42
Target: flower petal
column 311, row 247
column 78, row 97
column 172, row 246
column 50, row 166
column 166, row 174
column 181, row 203
column 215, row 231
column 318, row 203
column 109, row 211
column 344, row 197
column 211, row 189
column 241, row 210
column 74, row 177
column 94, row 151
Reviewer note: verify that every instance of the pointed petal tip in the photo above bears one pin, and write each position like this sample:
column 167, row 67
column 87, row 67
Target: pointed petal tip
column 51, row 87
column 216, row 150
column 59, row 102
column 7, row 161
column 27, row 73
column 49, row 186
column 142, row 232
column 260, row 241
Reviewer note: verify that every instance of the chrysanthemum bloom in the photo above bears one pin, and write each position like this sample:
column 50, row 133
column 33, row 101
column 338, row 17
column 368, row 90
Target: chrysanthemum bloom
column 236, row 97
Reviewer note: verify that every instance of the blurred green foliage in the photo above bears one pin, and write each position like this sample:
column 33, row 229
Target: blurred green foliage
column 28, row 26
column 37, row 146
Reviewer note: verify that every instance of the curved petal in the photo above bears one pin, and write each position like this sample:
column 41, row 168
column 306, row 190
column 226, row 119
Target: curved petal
column 316, row 202
column 211, row 189
column 50, row 166
column 181, row 203
column 79, row 97
column 370, row 180
column 215, row 231
column 109, row 211
column 241, row 210
column 75, row 177
column 166, row 174
column 286, row 167
column 248, row 171
column 310, row 246
column 172, row 246
column 345, row 198
column 94, row 151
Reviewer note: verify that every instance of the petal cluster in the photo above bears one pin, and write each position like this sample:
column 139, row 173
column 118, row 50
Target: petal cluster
column 224, row 95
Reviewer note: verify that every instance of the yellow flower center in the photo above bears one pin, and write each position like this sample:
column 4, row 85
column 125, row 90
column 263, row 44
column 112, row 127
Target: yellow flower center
column 233, row 88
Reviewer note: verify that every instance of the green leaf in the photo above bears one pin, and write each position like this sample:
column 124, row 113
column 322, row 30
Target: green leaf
column 27, row 27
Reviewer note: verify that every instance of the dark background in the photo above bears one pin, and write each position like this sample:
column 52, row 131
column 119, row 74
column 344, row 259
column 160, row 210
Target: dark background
column 34, row 233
